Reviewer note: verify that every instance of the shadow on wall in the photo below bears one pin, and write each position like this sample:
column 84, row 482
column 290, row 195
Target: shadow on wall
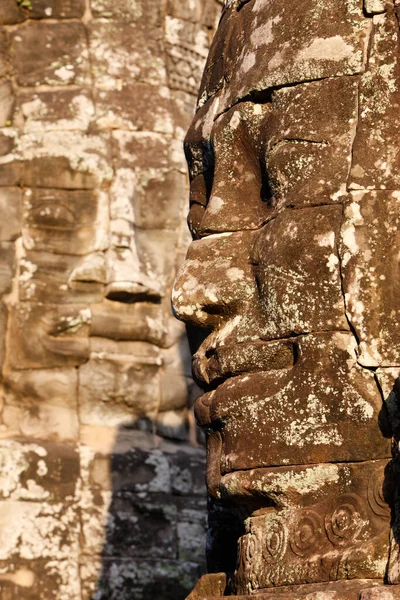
column 154, row 536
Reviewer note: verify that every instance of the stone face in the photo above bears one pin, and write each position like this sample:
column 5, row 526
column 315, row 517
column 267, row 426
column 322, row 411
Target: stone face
column 102, row 473
column 289, row 292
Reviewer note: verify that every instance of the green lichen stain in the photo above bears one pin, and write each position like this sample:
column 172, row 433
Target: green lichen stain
column 25, row 4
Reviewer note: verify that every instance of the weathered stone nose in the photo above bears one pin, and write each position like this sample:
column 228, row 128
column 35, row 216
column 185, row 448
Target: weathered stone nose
column 125, row 280
column 215, row 281
column 119, row 270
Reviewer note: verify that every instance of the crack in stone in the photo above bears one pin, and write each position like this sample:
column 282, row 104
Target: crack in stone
column 342, row 289
column 265, row 96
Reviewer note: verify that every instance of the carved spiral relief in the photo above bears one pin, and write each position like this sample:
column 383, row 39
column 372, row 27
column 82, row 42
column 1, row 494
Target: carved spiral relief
column 344, row 521
column 253, row 547
column 275, row 541
column 376, row 498
column 308, row 534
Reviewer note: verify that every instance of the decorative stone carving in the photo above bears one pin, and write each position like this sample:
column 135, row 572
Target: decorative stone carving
column 293, row 277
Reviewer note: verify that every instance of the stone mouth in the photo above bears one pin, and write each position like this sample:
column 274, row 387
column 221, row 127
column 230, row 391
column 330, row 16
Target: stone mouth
column 214, row 365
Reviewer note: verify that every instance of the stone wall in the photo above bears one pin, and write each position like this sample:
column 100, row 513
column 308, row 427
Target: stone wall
column 101, row 477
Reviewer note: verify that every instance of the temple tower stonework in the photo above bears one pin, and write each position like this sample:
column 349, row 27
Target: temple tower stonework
column 101, row 481
column 293, row 280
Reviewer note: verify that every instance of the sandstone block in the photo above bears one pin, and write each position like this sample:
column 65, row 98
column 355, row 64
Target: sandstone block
column 144, row 579
column 368, row 265
column 11, row 13
column 7, row 266
column 261, row 51
column 376, row 147
column 3, row 330
column 140, row 321
column 150, row 111
column 141, row 527
column 54, row 110
column 57, row 9
column 123, row 52
column 35, row 475
column 6, row 103
column 191, row 530
column 53, row 54
column 127, row 390
column 145, row 12
column 187, row 472
column 42, row 404
column 54, row 335
column 42, row 579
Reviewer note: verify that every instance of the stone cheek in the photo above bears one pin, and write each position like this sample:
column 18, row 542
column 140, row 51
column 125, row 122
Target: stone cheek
column 369, row 243
column 308, row 139
column 296, row 268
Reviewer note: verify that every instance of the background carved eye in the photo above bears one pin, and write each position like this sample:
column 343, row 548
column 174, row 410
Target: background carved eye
column 51, row 214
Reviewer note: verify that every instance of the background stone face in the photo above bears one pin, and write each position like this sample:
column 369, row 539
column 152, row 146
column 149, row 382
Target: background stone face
column 101, row 478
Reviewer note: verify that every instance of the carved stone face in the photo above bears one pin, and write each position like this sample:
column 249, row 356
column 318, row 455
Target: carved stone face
column 94, row 268
column 294, row 164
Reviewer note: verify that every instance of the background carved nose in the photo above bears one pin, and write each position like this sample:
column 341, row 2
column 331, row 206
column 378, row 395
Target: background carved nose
column 120, row 273
column 126, row 281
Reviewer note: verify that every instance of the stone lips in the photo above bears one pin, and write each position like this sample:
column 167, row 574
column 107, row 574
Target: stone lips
column 213, row 365
column 299, row 414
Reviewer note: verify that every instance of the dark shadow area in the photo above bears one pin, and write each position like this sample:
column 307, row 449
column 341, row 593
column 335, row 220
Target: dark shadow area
column 389, row 423
column 154, row 539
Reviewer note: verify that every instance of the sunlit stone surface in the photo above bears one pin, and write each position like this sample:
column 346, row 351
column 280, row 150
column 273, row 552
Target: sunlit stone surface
column 293, row 279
